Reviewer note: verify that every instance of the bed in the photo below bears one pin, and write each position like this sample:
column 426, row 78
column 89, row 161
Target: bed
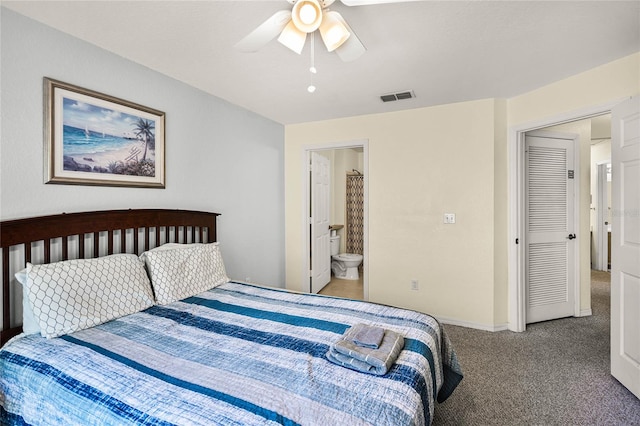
column 190, row 346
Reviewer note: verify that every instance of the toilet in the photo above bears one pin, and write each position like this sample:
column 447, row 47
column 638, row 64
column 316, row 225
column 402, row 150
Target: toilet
column 343, row 265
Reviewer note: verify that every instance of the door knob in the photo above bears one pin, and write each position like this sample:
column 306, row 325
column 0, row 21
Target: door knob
column 571, row 236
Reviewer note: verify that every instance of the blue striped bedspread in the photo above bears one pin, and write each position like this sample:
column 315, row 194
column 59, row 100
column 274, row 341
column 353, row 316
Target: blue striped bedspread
column 235, row 355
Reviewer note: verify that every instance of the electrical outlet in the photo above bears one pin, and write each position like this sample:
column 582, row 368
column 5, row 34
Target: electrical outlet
column 414, row 285
column 449, row 218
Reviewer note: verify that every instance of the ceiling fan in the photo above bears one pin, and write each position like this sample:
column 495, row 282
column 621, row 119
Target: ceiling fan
column 307, row 16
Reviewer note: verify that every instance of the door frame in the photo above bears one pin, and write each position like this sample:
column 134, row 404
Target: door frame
column 306, row 200
column 515, row 233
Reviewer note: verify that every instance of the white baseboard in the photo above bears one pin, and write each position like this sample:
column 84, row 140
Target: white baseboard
column 492, row 328
column 468, row 324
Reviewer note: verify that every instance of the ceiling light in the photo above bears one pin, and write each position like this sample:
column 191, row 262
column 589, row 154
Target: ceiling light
column 334, row 33
column 311, row 88
column 307, row 15
column 293, row 38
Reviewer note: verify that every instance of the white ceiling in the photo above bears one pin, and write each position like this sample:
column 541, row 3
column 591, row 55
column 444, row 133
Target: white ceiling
column 445, row 51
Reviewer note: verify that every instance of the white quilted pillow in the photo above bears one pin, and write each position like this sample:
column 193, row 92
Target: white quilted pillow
column 184, row 270
column 76, row 294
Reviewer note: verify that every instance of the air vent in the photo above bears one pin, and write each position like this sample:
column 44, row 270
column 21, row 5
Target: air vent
column 398, row 96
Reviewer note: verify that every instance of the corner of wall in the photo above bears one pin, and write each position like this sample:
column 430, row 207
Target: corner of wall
column 500, row 218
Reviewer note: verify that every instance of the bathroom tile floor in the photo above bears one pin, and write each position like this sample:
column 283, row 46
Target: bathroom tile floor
column 351, row 289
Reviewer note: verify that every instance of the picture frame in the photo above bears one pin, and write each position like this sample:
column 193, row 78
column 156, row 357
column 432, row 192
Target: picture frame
column 95, row 139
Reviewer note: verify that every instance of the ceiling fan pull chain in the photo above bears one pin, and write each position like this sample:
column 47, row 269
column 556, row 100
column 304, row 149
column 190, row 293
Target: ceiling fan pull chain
column 312, row 68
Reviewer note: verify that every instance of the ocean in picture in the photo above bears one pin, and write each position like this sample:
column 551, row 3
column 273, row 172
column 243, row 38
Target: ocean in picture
column 91, row 151
column 84, row 141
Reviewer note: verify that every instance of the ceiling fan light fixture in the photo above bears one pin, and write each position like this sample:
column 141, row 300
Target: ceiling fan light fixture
column 307, row 15
column 333, row 31
column 293, row 38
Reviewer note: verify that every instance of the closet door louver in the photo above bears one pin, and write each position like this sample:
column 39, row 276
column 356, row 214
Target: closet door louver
column 547, row 188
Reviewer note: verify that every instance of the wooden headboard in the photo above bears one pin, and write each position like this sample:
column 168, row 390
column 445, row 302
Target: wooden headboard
column 105, row 232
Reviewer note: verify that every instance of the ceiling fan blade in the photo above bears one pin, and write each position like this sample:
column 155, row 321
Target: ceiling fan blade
column 368, row 2
column 266, row 32
column 351, row 49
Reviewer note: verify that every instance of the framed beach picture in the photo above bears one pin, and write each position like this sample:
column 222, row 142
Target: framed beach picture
column 96, row 139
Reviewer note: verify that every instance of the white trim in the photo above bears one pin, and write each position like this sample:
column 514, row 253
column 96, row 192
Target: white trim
column 607, row 161
column 517, row 319
column 477, row 326
column 515, row 253
column 306, row 153
column 585, row 313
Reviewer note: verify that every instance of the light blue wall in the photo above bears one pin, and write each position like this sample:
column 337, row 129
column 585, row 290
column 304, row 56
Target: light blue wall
column 219, row 157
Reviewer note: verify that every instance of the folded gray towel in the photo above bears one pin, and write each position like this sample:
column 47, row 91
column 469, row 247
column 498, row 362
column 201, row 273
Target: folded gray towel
column 367, row 360
column 365, row 335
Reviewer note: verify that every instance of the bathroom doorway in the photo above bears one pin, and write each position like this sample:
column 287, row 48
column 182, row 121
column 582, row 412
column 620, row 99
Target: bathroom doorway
column 348, row 211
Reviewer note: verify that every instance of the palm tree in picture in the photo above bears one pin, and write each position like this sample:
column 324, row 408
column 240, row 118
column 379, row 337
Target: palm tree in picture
column 143, row 129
